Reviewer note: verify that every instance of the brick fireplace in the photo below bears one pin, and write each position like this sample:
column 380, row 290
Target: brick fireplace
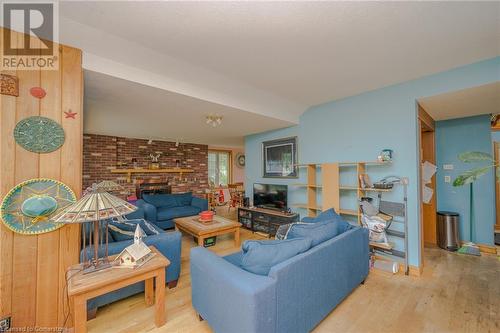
column 102, row 153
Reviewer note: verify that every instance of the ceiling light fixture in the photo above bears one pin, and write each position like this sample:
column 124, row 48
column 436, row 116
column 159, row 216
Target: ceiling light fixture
column 214, row 120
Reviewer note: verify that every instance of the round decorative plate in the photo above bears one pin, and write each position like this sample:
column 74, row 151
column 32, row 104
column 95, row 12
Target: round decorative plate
column 39, row 134
column 28, row 207
column 38, row 92
column 240, row 160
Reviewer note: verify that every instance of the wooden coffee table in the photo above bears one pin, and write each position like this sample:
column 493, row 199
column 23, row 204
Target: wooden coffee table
column 219, row 226
column 82, row 287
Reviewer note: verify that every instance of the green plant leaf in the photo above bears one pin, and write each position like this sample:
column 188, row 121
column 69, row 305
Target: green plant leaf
column 474, row 156
column 470, row 176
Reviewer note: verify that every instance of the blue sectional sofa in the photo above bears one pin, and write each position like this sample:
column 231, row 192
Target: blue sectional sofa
column 294, row 296
column 168, row 243
column 162, row 209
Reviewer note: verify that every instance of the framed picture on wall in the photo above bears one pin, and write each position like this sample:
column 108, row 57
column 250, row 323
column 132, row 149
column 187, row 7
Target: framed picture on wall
column 280, row 158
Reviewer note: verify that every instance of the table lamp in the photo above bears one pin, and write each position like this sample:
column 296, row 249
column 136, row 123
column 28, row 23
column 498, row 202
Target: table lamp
column 95, row 206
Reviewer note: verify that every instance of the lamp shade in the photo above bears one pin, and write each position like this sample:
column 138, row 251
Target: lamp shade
column 108, row 186
column 94, row 206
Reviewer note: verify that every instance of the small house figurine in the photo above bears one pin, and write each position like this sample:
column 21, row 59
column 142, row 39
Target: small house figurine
column 136, row 254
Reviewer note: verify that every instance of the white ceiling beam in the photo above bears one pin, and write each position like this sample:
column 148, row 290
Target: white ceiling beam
column 115, row 56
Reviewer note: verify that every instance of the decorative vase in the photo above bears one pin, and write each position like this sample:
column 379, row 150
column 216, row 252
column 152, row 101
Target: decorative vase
column 154, row 165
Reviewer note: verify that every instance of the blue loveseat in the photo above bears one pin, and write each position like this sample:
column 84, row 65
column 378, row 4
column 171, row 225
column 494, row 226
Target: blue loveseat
column 162, row 209
column 168, row 243
column 294, row 296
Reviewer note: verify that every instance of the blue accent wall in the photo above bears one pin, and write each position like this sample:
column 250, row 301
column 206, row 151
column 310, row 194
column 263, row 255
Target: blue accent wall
column 254, row 164
column 358, row 127
column 495, row 136
column 452, row 138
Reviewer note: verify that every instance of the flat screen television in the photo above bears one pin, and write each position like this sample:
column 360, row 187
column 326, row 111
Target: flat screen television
column 270, row 196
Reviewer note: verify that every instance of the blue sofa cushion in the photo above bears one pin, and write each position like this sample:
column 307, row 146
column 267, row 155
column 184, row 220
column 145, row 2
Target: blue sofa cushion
column 259, row 256
column 328, row 214
column 318, row 232
column 235, row 258
column 125, row 230
column 184, row 199
column 166, row 213
column 161, row 200
column 138, row 214
column 343, row 226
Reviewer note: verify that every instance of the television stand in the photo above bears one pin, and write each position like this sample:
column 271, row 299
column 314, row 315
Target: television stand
column 264, row 220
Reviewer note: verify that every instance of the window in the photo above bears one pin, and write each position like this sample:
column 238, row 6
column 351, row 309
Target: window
column 219, row 167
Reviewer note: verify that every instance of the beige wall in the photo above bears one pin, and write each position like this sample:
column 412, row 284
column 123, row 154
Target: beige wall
column 238, row 172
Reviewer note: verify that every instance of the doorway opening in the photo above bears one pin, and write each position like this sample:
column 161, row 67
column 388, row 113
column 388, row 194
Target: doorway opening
column 427, row 155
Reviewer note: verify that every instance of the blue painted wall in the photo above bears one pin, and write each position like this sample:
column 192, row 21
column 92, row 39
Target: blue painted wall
column 254, row 165
column 358, row 127
column 452, row 138
column 495, row 136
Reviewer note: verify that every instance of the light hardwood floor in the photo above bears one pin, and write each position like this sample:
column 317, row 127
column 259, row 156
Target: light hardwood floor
column 456, row 293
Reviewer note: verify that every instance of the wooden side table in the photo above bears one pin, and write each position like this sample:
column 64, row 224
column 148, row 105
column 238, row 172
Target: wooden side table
column 82, row 287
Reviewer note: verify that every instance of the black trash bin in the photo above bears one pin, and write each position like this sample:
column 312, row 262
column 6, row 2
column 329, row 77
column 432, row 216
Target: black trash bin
column 447, row 230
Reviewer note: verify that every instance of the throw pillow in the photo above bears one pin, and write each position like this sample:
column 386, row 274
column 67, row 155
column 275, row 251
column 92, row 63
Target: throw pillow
column 124, row 230
column 328, row 214
column 184, row 199
column 318, row 232
column 282, row 232
column 160, row 200
column 343, row 226
column 259, row 256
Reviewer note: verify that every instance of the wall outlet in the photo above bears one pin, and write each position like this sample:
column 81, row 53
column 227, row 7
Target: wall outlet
column 5, row 324
column 447, row 179
column 448, row 166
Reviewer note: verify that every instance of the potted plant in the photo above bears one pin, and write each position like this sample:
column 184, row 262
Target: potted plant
column 469, row 177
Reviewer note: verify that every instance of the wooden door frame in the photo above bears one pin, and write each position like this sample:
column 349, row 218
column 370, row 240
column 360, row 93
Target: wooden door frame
column 426, row 124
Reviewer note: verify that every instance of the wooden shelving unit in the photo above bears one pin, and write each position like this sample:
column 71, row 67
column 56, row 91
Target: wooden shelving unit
column 309, row 207
column 348, row 212
column 307, row 185
column 361, row 168
column 328, row 186
column 129, row 172
column 381, row 246
column 353, row 188
column 331, row 192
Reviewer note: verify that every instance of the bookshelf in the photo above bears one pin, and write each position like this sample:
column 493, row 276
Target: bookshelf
column 328, row 185
column 331, row 190
column 360, row 169
column 336, row 190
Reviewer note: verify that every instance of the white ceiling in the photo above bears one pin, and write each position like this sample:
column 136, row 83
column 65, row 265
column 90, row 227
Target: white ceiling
column 307, row 52
column 474, row 101
column 123, row 108
column 276, row 59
